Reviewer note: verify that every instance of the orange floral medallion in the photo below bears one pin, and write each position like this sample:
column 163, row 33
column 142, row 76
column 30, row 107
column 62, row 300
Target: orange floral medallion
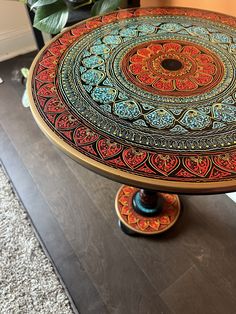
column 172, row 67
column 146, row 225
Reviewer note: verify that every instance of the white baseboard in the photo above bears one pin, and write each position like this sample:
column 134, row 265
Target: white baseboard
column 232, row 196
column 14, row 42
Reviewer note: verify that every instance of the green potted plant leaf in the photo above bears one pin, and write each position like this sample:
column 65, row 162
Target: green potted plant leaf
column 51, row 16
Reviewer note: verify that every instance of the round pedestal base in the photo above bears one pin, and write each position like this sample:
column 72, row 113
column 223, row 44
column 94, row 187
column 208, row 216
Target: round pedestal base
column 155, row 224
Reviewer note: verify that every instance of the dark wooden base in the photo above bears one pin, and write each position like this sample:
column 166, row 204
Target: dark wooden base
column 138, row 215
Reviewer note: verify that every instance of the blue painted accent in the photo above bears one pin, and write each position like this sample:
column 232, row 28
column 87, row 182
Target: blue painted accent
column 220, row 38
column 128, row 32
column 195, row 120
column 93, row 62
column 171, row 27
column 138, row 206
column 93, row 77
column 224, row 113
column 104, row 94
column 146, row 28
column 197, row 30
column 112, row 40
column 127, row 109
column 160, row 118
column 100, row 49
column 229, row 101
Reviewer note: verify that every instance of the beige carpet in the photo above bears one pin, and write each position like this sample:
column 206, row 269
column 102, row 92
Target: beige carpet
column 28, row 283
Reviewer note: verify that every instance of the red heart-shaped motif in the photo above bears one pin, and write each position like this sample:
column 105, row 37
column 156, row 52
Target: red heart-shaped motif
column 46, row 75
column 124, row 200
column 67, row 39
column 154, row 224
column 66, row 121
column 143, row 224
column 164, row 220
column 134, row 157
column 49, row 62
column 125, row 210
column 47, row 90
column 84, row 135
column 47, row 54
column 54, row 105
column 93, row 23
column 79, row 30
column 226, row 161
column 109, row 18
column 199, row 165
column 132, row 219
column 124, row 14
column 108, row 149
column 128, row 190
column 164, row 163
column 57, row 50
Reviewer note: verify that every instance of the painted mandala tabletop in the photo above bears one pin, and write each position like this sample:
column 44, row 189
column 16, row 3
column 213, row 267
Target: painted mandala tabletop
column 144, row 96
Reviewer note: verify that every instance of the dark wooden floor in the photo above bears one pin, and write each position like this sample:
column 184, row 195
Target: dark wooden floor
column 191, row 269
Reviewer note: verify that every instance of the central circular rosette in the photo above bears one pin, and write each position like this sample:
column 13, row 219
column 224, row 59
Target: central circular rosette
column 161, row 89
column 172, row 68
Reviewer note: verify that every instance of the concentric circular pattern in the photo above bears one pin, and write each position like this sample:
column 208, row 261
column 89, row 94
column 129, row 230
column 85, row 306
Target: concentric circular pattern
column 144, row 94
column 146, row 225
column 173, row 68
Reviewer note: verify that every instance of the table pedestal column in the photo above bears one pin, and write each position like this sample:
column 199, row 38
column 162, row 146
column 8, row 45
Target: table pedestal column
column 146, row 211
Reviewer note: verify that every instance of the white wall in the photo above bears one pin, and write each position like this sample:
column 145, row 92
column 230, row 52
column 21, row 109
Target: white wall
column 15, row 32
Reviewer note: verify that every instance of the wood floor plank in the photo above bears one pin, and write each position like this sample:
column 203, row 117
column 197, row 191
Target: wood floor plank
column 50, row 233
column 194, row 293
column 101, row 254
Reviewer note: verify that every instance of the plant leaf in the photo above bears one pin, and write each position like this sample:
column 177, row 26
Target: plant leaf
column 104, row 6
column 25, row 72
column 25, row 99
column 51, row 18
column 80, row 4
column 30, row 3
column 40, row 3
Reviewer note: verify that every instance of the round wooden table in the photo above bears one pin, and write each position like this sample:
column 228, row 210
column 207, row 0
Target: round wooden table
column 146, row 97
